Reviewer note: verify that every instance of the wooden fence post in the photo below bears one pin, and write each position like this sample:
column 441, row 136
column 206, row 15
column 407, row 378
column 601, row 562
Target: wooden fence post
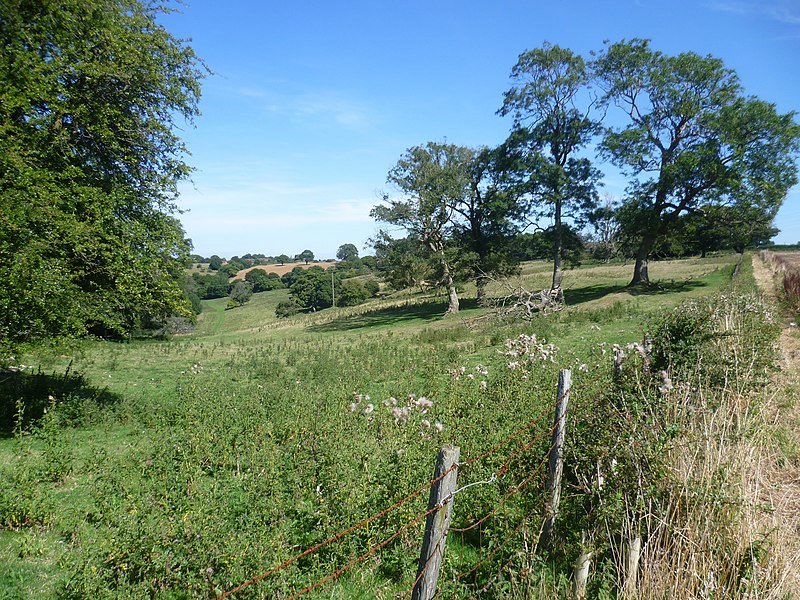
column 556, row 466
column 633, row 551
column 437, row 523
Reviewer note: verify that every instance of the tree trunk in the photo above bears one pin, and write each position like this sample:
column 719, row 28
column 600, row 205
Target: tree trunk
column 480, row 284
column 555, row 290
column 640, row 274
column 451, row 288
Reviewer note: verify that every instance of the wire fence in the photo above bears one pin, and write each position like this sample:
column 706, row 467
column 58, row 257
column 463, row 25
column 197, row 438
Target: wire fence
column 584, row 396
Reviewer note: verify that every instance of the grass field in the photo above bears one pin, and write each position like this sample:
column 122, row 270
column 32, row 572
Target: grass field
column 181, row 468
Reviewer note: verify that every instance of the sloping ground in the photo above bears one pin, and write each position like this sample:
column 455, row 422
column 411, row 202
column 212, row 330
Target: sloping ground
column 776, row 485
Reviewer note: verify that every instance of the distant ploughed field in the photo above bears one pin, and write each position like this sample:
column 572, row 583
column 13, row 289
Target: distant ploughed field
column 282, row 269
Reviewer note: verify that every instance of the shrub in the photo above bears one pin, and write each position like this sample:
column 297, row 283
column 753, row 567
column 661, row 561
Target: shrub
column 287, row 308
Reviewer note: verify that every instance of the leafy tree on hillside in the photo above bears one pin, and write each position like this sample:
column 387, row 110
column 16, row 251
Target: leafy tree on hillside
column 431, row 179
column 312, row 289
column 263, row 281
column 241, row 292
column 484, row 218
column 306, row 256
column 402, row 263
column 347, row 252
column 549, row 132
column 283, row 259
column 692, row 140
column 89, row 164
column 215, row 263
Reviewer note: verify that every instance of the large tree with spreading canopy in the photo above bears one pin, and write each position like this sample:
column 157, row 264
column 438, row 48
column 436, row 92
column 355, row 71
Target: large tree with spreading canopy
column 92, row 94
column 690, row 140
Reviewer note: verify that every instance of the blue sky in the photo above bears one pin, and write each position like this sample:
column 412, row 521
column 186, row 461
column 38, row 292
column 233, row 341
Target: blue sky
column 312, row 102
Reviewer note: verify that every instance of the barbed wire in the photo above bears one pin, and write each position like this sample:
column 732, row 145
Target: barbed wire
column 335, row 537
column 494, row 477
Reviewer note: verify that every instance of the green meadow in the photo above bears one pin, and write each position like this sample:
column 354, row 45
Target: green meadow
column 182, row 468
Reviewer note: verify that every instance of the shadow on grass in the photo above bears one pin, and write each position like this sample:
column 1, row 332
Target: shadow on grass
column 384, row 317
column 595, row 292
column 34, row 392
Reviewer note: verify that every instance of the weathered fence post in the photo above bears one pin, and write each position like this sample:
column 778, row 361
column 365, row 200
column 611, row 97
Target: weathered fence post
column 437, row 523
column 556, row 467
column 633, row 551
column 581, row 571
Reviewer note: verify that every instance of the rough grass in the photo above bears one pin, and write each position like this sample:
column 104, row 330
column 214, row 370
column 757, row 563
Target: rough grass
column 239, row 434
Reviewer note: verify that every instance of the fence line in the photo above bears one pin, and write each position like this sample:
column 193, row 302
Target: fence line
column 495, row 476
column 335, row 537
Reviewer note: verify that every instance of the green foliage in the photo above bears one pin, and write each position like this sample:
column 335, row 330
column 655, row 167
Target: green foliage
column 89, row 163
column 351, row 292
column 312, row 289
column 215, row 263
column 693, row 140
column 263, row 281
column 212, row 286
column 306, row 256
column 240, row 294
column 287, row 308
column 347, row 252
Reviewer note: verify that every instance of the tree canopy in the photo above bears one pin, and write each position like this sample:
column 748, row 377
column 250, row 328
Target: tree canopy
column 692, row 140
column 549, row 131
column 92, row 93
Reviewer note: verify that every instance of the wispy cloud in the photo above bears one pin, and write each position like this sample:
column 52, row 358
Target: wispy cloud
column 321, row 105
column 786, row 11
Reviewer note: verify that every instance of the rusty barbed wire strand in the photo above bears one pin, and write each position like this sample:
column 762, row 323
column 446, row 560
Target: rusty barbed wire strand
column 335, row 537
column 522, row 522
column 416, row 492
column 504, row 468
column 366, row 554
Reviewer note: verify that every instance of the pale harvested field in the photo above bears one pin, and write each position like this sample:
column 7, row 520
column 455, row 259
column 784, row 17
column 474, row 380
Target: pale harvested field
column 282, row 269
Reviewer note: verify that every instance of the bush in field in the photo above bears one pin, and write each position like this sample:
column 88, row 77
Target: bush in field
column 287, row 308
column 352, row 292
column 240, row 294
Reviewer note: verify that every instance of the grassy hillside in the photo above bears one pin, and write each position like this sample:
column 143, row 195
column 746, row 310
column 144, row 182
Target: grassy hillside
column 182, row 468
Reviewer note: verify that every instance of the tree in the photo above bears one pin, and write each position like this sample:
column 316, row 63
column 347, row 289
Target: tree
column 263, row 281
column 241, row 293
column 312, row 290
column 215, row 263
column 351, row 292
column 306, row 256
column 402, row 263
column 485, row 215
column 347, row 252
column 431, row 178
column 549, row 130
column 692, row 140
column 283, row 259
column 92, row 94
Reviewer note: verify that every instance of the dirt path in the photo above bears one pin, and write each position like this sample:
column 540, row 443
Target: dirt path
column 788, row 342
column 776, row 483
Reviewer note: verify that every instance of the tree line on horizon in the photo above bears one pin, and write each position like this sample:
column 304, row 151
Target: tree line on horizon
column 90, row 160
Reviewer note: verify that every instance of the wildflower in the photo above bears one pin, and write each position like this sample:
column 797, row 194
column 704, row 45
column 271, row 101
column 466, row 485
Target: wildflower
column 514, row 364
column 583, row 367
column 368, row 409
column 425, row 423
column 438, row 427
column 423, row 404
column 470, row 376
column 483, row 384
column 481, row 370
column 353, row 407
column 400, row 453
